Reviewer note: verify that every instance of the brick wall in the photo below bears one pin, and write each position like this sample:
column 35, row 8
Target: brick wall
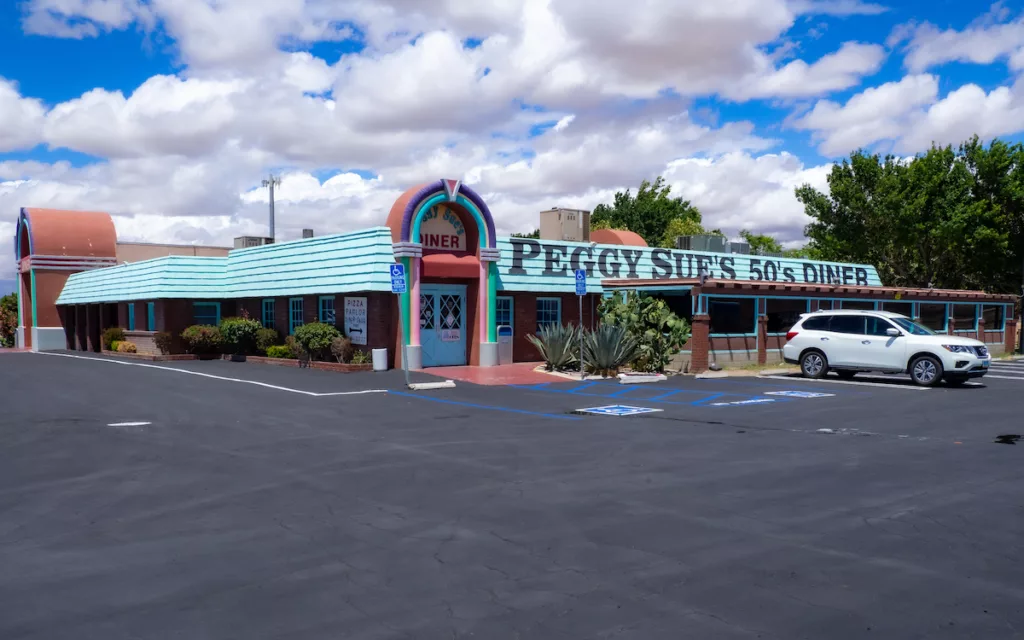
column 700, row 343
column 524, row 311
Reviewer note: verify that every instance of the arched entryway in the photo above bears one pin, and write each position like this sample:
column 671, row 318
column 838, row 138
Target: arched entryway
column 444, row 235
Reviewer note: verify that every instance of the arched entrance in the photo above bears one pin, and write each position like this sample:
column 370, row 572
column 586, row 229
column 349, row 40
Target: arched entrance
column 444, row 235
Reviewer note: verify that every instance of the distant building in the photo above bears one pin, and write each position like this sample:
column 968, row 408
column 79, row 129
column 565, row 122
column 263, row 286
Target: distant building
column 565, row 225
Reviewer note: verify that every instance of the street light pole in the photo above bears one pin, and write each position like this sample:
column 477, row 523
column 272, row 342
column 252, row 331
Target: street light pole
column 272, row 181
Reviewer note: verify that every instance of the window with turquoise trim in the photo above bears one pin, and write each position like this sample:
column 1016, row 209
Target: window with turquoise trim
column 549, row 312
column 966, row 316
column 860, row 305
column 268, row 313
column 131, row 316
column 732, row 315
column 206, row 313
column 995, row 317
column 295, row 318
column 150, row 316
column 327, row 315
column 783, row 313
column 503, row 313
column 933, row 315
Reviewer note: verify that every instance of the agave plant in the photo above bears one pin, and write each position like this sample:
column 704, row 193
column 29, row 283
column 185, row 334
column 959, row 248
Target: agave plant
column 558, row 345
column 608, row 349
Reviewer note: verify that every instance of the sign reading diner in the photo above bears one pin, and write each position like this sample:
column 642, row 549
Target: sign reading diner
column 442, row 230
column 532, row 257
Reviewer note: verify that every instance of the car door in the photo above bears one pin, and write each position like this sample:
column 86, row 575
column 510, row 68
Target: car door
column 880, row 350
column 845, row 335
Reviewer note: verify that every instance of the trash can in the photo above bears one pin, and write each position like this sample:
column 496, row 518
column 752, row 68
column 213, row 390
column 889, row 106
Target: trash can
column 504, row 344
column 380, row 359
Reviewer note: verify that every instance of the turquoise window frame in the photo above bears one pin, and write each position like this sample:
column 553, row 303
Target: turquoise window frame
column 807, row 309
column 557, row 311
column 216, row 313
column 150, row 316
column 131, row 316
column 292, row 309
column 1001, row 328
column 843, row 301
column 322, row 308
column 511, row 312
column 709, row 298
column 945, row 325
column 269, row 305
column 951, row 311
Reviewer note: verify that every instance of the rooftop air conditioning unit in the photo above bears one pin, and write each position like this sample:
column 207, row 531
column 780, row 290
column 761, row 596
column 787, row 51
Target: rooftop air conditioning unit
column 739, row 247
column 708, row 243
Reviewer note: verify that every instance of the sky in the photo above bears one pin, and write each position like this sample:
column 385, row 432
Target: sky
column 168, row 113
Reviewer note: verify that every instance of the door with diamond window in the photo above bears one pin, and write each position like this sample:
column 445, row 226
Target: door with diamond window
column 443, row 325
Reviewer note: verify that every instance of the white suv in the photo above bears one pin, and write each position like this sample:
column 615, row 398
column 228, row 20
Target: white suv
column 852, row 341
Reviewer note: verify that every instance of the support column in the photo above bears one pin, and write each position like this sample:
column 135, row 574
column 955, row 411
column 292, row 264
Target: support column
column 486, row 297
column 700, row 343
column 1010, row 335
column 981, row 329
column 951, row 325
column 762, row 340
column 411, row 254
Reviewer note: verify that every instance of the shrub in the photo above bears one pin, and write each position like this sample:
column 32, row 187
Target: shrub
column 294, row 348
column 558, row 345
column 360, row 357
column 114, row 345
column 202, row 339
column 266, row 338
column 659, row 333
column 316, row 339
column 279, row 351
column 164, row 342
column 608, row 349
column 341, row 348
column 127, row 347
column 239, row 334
column 8, row 319
column 111, row 335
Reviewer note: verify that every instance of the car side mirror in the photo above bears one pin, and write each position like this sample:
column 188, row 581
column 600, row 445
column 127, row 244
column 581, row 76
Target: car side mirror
column 895, row 333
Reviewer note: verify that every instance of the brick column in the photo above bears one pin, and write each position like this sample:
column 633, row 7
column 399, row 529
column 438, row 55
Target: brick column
column 700, row 343
column 981, row 329
column 951, row 326
column 1010, row 335
column 762, row 340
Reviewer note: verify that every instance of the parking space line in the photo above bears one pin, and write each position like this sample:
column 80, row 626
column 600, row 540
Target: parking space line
column 883, row 385
column 1021, row 378
column 556, row 416
column 210, row 375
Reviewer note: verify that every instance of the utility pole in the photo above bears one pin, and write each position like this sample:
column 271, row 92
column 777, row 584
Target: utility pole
column 272, row 181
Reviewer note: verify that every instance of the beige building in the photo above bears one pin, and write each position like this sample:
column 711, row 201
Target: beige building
column 569, row 225
column 139, row 251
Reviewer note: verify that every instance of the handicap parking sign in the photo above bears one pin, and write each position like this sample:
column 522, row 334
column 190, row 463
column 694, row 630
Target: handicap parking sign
column 398, row 278
column 617, row 410
column 800, row 394
column 581, row 282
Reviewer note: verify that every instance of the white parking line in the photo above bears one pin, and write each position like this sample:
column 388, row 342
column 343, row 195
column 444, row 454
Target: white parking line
column 209, row 375
column 1020, row 378
column 859, row 383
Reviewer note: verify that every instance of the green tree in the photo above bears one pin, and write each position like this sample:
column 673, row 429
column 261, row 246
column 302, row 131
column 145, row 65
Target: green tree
column 761, row 243
column 948, row 218
column 8, row 319
column 649, row 213
column 535, row 234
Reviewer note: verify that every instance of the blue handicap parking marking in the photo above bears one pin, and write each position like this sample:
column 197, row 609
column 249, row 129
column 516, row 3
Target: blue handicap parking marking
column 799, row 394
column 617, row 410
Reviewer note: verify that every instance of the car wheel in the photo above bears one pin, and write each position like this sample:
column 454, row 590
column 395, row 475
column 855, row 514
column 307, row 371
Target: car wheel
column 926, row 371
column 846, row 375
column 814, row 364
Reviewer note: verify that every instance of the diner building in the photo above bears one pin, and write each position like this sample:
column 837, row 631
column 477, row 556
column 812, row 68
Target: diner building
column 464, row 282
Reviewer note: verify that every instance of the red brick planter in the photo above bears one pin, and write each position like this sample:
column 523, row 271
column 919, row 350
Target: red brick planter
column 150, row 357
column 322, row 366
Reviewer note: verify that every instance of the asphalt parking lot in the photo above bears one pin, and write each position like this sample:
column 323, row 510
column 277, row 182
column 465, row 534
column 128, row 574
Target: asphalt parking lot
column 218, row 500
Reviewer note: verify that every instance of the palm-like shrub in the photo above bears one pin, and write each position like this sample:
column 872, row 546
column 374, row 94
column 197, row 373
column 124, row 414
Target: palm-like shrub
column 608, row 349
column 558, row 345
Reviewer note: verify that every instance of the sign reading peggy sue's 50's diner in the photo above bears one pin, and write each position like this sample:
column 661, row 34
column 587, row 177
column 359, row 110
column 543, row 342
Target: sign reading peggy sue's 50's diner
column 554, row 259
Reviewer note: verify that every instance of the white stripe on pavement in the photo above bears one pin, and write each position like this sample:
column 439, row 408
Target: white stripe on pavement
column 1020, row 378
column 897, row 383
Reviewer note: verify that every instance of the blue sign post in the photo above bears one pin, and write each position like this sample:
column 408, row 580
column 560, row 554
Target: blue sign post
column 581, row 290
column 398, row 287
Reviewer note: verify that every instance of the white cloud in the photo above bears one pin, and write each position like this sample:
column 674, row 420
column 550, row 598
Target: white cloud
column 985, row 41
column 21, row 118
column 840, row 8
column 82, row 18
column 833, row 72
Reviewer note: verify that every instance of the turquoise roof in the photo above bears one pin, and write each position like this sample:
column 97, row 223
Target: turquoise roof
column 341, row 263
column 358, row 261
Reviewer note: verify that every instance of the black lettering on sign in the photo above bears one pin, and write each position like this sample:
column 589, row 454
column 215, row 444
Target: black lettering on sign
column 862, row 276
column 701, row 266
column 632, row 257
column 833, row 275
column 609, row 269
column 771, row 271
column 553, row 261
column 847, row 275
column 522, row 250
column 679, row 257
column 755, row 270
column 729, row 268
column 787, row 272
column 574, row 261
column 810, row 273
column 662, row 269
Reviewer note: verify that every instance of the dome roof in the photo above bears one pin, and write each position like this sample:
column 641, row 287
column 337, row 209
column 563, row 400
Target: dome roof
column 56, row 232
column 617, row 236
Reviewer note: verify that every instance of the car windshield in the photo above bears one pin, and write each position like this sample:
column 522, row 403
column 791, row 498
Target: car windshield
column 912, row 327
